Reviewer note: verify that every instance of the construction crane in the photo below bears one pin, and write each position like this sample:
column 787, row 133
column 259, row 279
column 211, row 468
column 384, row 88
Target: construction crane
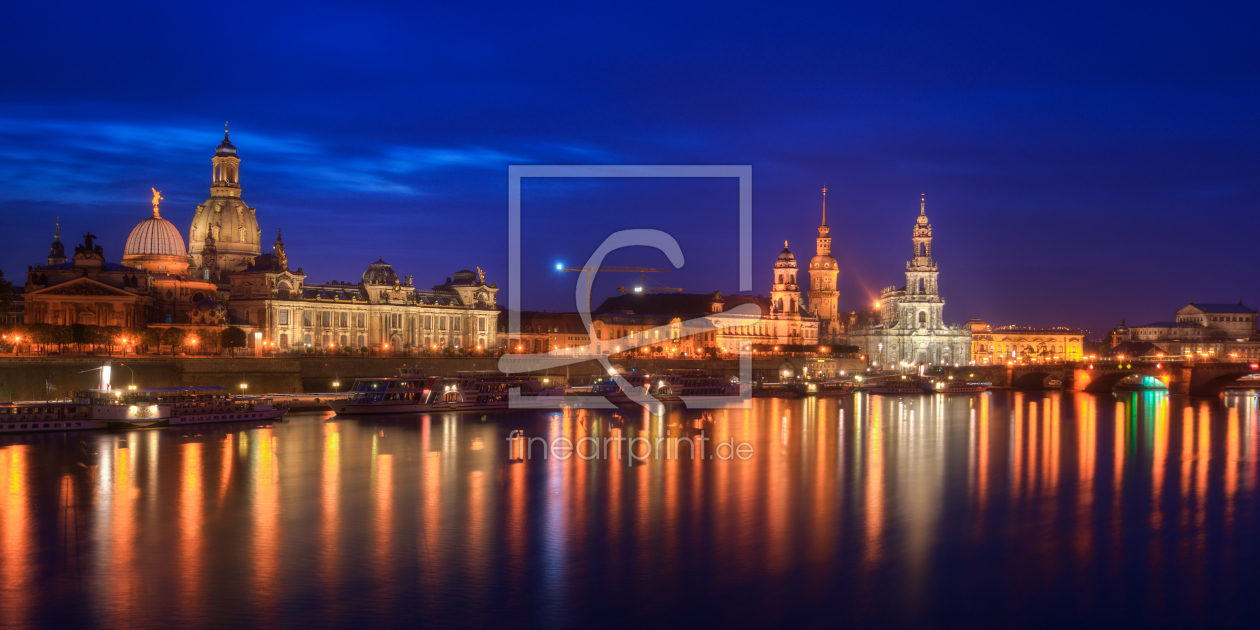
column 614, row 269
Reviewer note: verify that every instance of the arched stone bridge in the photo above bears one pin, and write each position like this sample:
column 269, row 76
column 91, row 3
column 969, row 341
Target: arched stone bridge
column 1187, row 379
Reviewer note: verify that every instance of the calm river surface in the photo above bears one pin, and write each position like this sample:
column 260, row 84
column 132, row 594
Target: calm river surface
column 996, row 510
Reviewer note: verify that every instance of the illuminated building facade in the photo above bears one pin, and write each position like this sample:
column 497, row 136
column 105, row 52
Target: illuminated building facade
column 151, row 286
column 908, row 327
column 1199, row 331
column 990, row 346
column 381, row 312
column 221, row 278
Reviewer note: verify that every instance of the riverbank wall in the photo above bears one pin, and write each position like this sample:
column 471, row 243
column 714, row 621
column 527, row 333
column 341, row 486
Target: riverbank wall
column 26, row 378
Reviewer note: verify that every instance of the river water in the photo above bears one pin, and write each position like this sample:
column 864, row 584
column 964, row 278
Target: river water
column 997, row 510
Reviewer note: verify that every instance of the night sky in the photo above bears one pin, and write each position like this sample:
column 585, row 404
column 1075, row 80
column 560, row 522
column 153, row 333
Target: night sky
column 1082, row 163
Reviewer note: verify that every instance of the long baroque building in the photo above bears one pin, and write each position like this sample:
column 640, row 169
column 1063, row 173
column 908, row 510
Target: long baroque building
column 907, row 326
column 1199, row 331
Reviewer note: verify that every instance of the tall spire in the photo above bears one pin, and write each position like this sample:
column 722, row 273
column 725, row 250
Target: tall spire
column 824, row 205
column 57, row 251
column 278, row 251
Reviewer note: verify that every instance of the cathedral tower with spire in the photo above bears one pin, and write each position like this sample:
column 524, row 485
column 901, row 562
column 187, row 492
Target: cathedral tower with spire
column 907, row 326
column 824, row 294
column 225, row 218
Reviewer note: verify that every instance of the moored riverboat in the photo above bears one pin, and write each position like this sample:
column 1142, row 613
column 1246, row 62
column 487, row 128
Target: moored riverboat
column 826, row 388
column 138, row 408
column 776, row 390
column 902, row 385
column 673, row 385
column 466, row 391
column 956, row 387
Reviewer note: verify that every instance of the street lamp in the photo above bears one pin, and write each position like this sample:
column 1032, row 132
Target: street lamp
column 133, row 375
column 244, row 386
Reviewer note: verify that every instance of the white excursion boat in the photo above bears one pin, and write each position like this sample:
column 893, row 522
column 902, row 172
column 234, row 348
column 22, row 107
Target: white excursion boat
column 137, row 408
column 467, row 391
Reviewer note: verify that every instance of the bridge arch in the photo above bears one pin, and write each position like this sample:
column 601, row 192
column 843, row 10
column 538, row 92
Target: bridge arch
column 1032, row 379
column 1102, row 381
column 1215, row 383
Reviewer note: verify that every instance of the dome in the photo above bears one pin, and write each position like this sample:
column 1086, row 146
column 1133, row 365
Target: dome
column 823, row 262
column 234, row 227
column 57, row 250
column 155, row 236
column 380, row 272
column 786, row 259
column 155, row 244
column 225, row 148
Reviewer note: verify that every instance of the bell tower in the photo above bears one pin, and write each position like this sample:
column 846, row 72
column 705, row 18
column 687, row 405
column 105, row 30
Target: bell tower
column 226, row 169
column 824, row 296
column 921, row 269
column 922, row 306
column 784, row 293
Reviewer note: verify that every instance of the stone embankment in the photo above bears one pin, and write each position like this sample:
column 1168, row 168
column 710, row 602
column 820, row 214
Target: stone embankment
column 25, row 378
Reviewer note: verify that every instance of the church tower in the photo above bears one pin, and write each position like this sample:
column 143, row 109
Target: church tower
column 824, row 295
column 225, row 218
column 225, row 175
column 57, row 251
column 277, row 250
column 922, row 303
column 785, row 295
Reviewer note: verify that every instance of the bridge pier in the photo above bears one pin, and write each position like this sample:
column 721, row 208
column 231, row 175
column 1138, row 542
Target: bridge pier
column 1181, row 377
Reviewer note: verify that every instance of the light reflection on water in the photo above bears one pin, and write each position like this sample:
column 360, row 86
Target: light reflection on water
column 1028, row 508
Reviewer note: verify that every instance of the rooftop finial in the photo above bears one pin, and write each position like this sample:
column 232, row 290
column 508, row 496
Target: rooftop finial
column 157, row 196
column 57, row 233
column 922, row 203
column 824, row 205
column 225, row 130
column 785, row 244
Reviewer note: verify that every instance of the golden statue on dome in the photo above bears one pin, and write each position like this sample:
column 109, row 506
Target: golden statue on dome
column 157, row 196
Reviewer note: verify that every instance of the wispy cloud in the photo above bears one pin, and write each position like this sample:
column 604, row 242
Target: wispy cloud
column 76, row 161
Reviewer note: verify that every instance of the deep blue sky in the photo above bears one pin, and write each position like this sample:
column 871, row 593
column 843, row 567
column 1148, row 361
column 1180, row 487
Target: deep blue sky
column 1083, row 163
